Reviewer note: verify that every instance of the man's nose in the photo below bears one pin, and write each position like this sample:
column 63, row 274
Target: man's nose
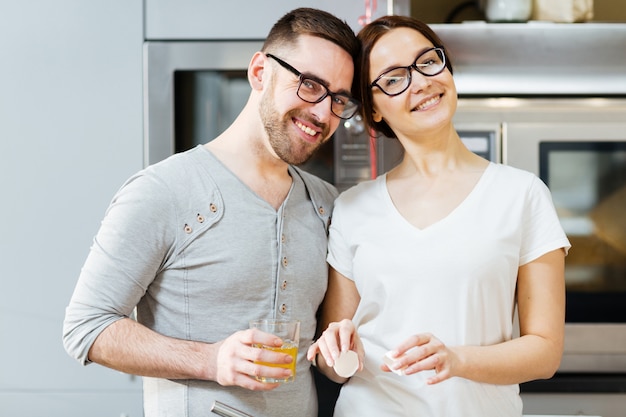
column 322, row 110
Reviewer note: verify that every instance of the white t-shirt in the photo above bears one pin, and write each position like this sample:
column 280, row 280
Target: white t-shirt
column 455, row 279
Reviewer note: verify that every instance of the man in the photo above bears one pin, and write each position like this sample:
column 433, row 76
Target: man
column 228, row 232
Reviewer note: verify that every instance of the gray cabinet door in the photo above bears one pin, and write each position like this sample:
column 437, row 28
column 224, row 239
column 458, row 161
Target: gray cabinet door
column 247, row 19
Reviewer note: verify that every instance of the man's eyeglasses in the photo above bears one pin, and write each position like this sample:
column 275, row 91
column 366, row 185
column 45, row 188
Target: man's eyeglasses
column 396, row 80
column 313, row 91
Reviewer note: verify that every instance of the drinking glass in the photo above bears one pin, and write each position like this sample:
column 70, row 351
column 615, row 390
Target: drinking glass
column 289, row 332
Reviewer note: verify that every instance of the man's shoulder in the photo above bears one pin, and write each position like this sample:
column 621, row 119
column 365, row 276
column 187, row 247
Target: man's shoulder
column 186, row 169
column 317, row 185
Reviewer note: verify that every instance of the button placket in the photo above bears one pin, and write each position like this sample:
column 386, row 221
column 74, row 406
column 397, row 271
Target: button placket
column 283, row 298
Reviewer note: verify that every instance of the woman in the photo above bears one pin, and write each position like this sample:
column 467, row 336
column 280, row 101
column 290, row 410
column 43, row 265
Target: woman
column 429, row 260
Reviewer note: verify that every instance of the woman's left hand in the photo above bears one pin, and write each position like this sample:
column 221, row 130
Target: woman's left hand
column 423, row 352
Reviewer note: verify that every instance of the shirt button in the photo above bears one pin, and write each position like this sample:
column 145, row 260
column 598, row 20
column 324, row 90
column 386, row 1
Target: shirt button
column 284, row 285
column 321, row 210
column 200, row 218
column 283, row 308
column 285, row 263
column 282, row 238
column 213, row 208
column 188, row 229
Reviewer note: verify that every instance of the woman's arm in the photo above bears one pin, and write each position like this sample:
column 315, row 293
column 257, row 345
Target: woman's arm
column 338, row 307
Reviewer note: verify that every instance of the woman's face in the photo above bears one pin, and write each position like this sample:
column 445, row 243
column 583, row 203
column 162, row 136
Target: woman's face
column 428, row 104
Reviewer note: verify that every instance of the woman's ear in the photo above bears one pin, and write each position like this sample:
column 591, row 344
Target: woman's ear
column 377, row 117
column 256, row 70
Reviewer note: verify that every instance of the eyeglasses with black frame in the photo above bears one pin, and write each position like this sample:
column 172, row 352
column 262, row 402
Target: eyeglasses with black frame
column 395, row 81
column 313, row 91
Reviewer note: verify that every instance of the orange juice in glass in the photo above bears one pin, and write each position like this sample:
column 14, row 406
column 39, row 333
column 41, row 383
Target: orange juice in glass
column 289, row 332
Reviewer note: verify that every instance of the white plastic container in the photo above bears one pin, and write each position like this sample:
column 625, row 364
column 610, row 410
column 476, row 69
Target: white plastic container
column 508, row 10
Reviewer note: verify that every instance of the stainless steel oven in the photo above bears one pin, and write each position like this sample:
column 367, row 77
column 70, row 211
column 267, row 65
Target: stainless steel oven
column 558, row 96
column 578, row 148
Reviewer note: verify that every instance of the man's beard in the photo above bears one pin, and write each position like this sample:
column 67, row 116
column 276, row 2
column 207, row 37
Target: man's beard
column 294, row 151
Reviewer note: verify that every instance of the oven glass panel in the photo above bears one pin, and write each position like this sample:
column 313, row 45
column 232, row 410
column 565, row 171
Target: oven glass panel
column 588, row 185
column 205, row 104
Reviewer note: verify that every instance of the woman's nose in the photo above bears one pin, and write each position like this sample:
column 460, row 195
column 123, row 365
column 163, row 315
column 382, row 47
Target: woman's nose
column 419, row 81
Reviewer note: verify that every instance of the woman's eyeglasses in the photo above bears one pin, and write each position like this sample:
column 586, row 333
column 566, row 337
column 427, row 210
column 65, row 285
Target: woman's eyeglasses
column 396, row 80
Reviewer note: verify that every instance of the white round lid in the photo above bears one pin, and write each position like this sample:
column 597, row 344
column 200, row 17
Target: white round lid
column 347, row 364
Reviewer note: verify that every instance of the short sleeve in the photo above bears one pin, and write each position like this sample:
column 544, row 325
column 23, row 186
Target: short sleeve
column 339, row 253
column 541, row 229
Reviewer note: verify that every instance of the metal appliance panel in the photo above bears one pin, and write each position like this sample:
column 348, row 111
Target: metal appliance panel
column 536, row 58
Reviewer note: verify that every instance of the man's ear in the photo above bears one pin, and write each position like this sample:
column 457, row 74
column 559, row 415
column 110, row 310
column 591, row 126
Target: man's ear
column 256, row 70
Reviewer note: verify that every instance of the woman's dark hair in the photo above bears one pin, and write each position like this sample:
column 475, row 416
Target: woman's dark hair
column 368, row 36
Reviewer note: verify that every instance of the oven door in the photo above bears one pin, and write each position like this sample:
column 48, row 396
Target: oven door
column 584, row 165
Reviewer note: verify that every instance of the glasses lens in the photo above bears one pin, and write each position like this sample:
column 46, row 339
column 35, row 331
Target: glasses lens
column 431, row 62
column 341, row 105
column 395, row 81
column 311, row 91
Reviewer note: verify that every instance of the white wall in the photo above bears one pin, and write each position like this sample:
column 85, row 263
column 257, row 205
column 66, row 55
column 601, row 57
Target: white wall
column 70, row 133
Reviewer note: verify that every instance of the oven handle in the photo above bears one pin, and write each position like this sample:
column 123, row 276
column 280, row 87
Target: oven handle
column 224, row 410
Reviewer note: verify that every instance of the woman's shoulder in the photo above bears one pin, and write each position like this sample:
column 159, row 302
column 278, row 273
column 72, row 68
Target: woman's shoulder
column 508, row 173
column 364, row 190
column 509, row 180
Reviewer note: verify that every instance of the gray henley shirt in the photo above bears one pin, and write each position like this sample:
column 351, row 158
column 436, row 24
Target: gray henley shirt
column 199, row 255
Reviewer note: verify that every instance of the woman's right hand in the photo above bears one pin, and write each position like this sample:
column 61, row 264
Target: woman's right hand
column 338, row 337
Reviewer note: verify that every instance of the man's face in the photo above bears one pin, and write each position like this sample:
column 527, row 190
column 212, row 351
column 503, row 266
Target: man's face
column 295, row 128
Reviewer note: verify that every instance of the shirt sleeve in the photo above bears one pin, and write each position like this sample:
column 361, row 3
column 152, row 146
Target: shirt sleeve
column 131, row 245
column 541, row 229
column 340, row 254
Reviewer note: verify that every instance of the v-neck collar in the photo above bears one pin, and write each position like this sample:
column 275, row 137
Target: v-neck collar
column 471, row 196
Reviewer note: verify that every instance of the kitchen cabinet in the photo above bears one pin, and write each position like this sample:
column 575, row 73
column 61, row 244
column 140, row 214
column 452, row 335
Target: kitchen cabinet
column 71, row 133
column 234, row 19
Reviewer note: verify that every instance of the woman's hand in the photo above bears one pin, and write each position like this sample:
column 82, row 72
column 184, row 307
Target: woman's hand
column 338, row 337
column 423, row 352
